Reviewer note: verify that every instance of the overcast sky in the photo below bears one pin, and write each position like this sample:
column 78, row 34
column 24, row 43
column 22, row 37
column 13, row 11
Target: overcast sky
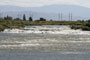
column 37, row 3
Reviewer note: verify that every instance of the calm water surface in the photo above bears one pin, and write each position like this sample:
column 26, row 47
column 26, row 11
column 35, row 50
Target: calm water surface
column 27, row 55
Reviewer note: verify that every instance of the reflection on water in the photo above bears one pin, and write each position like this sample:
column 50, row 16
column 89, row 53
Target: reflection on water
column 27, row 55
column 44, row 43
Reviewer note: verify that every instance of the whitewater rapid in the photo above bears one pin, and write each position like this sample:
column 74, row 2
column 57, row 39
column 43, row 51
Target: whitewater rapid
column 46, row 38
column 47, row 29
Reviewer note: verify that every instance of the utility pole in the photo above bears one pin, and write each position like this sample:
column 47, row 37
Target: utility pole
column 70, row 16
column 60, row 17
column 0, row 14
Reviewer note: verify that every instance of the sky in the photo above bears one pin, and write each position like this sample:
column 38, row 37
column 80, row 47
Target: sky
column 37, row 3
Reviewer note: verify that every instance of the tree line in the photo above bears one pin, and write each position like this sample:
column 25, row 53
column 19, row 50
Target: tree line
column 24, row 18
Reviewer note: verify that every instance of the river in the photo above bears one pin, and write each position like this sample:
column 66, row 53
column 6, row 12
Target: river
column 44, row 43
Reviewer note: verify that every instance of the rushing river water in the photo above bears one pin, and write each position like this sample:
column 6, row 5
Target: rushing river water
column 44, row 43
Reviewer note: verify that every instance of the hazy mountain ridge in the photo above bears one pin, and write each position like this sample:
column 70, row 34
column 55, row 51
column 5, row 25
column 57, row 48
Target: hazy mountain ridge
column 49, row 12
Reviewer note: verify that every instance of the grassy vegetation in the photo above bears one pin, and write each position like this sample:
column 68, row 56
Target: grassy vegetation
column 8, row 22
column 85, row 25
column 12, row 24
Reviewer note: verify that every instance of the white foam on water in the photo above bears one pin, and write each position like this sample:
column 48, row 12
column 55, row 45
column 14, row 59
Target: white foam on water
column 73, row 52
column 47, row 30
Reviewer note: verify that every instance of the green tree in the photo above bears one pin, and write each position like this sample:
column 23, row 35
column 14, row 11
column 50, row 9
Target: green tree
column 42, row 19
column 24, row 17
column 30, row 19
column 8, row 18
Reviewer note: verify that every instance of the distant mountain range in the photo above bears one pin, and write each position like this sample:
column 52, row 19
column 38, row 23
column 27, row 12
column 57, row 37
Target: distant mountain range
column 48, row 12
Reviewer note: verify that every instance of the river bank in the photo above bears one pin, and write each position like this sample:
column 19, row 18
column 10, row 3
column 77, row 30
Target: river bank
column 10, row 24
